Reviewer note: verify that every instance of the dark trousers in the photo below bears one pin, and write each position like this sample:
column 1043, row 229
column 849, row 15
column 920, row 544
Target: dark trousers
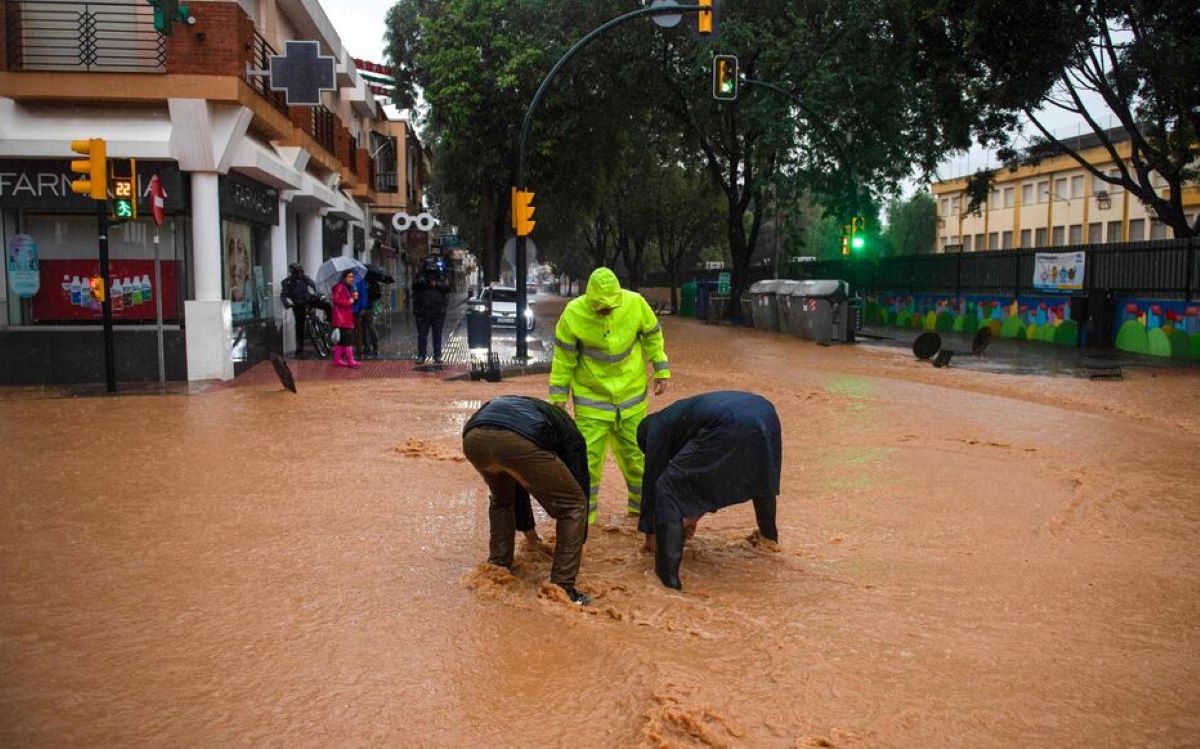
column 508, row 461
column 298, row 313
column 425, row 326
column 366, row 338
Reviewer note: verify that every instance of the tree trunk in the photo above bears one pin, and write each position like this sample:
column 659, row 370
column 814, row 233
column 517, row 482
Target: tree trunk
column 490, row 253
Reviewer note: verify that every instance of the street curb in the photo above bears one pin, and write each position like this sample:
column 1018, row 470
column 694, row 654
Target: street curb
column 509, row 371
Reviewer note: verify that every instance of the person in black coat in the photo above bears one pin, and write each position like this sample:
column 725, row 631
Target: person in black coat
column 704, row 453
column 430, row 295
column 522, row 446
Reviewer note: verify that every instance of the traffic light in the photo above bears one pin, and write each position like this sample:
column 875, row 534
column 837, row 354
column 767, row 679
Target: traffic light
column 704, row 19
column 725, row 77
column 845, row 244
column 522, row 212
column 97, row 285
column 95, row 168
column 857, row 225
column 124, row 203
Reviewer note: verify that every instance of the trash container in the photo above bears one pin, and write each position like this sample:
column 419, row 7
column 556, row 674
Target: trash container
column 823, row 311
column 716, row 309
column 783, row 300
column 764, row 305
column 479, row 327
column 687, row 299
column 704, row 291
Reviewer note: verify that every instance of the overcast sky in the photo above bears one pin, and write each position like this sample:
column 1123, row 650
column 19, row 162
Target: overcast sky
column 360, row 25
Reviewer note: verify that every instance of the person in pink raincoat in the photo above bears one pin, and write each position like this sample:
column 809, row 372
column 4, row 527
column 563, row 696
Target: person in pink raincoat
column 344, row 296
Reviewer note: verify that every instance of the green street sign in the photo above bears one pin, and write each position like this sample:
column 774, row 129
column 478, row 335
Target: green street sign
column 723, row 284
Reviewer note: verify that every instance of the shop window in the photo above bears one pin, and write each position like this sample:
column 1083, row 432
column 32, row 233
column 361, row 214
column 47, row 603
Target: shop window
column 1075, row 236
column 67, row 255
column 1114, row 232
column 1026, row 238
column 246, row 262
column 1095, row 233
column 1006, row 240
column 1137, row 230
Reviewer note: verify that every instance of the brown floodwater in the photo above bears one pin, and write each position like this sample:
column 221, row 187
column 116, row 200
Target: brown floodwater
column 966, row 560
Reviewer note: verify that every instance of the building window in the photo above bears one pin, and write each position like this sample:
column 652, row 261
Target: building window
column 1115, row 174
column 1039, row 238
column 1099, row 185
column 1137, row 230
column 979, row 245
column 1060, row 188
column 945, row 241
column 1077, row 186
column 1076, row 234
column 1027, row 194
column 945, row 206
column 1059, row 235
column 966, row 243
column 1114, row 232
column 1008, row 197
column 1095, row 233
column 994, row 200
column 953, row 239
column 1026, row 238
column 993, row 241
column 1006, row 240
column 1043, row 189
column 1158, row 230
column 953, row 206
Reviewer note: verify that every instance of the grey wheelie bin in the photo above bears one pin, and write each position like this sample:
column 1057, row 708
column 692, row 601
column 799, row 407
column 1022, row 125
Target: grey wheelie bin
column 764, row 305
column 783, row 300
column 823, row 311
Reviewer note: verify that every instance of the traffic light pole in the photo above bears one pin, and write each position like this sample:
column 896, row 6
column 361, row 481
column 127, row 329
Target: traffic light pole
column 110, row 361
column 527, row 126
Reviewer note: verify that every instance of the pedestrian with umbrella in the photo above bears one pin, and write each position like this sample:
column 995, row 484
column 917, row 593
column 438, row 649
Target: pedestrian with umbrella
column 344, row 297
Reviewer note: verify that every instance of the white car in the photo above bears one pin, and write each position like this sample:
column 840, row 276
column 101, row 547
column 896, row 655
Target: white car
column 503, row 301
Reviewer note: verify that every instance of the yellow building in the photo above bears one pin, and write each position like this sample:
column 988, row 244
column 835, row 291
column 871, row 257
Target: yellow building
column 1054, row 204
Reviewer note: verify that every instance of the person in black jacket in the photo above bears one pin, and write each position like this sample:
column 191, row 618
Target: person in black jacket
column 704, row 453
column 430, row 292
column 298, row 293
column 521, row 444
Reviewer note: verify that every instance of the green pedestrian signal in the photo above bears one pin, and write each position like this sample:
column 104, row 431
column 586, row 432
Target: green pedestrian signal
column 123, row 208
column 725, row 77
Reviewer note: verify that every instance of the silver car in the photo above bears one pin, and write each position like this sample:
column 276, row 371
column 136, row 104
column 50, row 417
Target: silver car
column 503, row 301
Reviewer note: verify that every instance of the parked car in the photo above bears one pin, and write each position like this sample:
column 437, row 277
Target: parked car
column 503, row 302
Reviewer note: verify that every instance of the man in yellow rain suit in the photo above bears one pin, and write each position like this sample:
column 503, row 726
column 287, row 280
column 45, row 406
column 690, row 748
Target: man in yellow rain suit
column 602, row 343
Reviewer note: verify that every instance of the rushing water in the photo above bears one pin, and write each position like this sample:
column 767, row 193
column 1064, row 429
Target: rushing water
column 965, row 560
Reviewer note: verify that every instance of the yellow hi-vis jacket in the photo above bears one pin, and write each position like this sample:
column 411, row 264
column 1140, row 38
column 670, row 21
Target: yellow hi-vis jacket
column 600, row 360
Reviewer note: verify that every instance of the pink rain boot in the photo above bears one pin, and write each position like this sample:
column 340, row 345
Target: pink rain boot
column 338, row 359
column 350, row 360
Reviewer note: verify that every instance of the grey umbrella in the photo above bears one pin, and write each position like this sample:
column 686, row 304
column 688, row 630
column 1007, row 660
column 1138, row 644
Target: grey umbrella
column 332, row 270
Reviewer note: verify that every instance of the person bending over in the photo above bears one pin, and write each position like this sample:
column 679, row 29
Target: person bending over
column 704, row 453
column 520, row 444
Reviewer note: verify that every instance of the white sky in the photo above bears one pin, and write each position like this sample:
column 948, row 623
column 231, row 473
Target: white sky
column 360, row 25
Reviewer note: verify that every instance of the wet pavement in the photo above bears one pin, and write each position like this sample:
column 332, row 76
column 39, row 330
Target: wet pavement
column 965, row 560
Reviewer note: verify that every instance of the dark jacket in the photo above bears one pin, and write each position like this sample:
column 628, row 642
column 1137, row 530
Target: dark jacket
column 430, row 293
column 363, row 302
column 546, row 426
column 297, row 290
column 707, row 452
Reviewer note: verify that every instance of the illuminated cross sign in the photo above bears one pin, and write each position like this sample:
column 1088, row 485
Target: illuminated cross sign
column 303, row 72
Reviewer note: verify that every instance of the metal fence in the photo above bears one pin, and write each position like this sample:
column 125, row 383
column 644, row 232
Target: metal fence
column 71, row 36
column 1163, row 269
column 260, row 59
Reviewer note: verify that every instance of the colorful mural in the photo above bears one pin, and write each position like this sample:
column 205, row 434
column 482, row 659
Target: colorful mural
column 1159, row 328
column 1152, row 327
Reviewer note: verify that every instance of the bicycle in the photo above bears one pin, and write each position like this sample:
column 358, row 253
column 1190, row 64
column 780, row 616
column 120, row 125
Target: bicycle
column 317, row 328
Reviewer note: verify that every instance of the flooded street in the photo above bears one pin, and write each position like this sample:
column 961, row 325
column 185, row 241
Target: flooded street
column 966, row 559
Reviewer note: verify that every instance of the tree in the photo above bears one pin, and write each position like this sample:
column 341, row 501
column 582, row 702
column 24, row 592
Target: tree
column 912, row 225
column 1138, row 57
column 686, row 220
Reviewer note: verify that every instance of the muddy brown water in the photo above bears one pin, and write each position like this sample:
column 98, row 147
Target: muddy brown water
column 965, row 560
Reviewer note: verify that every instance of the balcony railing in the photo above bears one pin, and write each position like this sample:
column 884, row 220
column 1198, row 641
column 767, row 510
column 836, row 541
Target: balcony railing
column 387, row 182
column 259, row 58
column 324, row 128
column 74, row 36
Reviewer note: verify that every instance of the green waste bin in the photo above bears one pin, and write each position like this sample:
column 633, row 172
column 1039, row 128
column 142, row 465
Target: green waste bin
column 687, row 299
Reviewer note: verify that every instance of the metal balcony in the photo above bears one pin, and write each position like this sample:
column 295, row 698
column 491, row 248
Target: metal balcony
column 44, row 35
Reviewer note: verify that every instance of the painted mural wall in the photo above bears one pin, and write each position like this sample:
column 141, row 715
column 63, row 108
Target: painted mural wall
column 1152, row 327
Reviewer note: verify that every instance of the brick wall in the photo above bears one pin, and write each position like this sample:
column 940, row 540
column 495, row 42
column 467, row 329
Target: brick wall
column 220, row 43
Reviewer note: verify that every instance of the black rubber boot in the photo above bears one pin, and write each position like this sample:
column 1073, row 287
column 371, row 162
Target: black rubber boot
column 668, row 553
column 764, row 513
column 578, row 598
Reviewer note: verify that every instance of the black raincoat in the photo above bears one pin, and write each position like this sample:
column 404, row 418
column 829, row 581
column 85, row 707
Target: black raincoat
column 707, row 452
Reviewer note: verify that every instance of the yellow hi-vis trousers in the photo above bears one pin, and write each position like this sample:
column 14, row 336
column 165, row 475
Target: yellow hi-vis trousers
column 622, row 434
